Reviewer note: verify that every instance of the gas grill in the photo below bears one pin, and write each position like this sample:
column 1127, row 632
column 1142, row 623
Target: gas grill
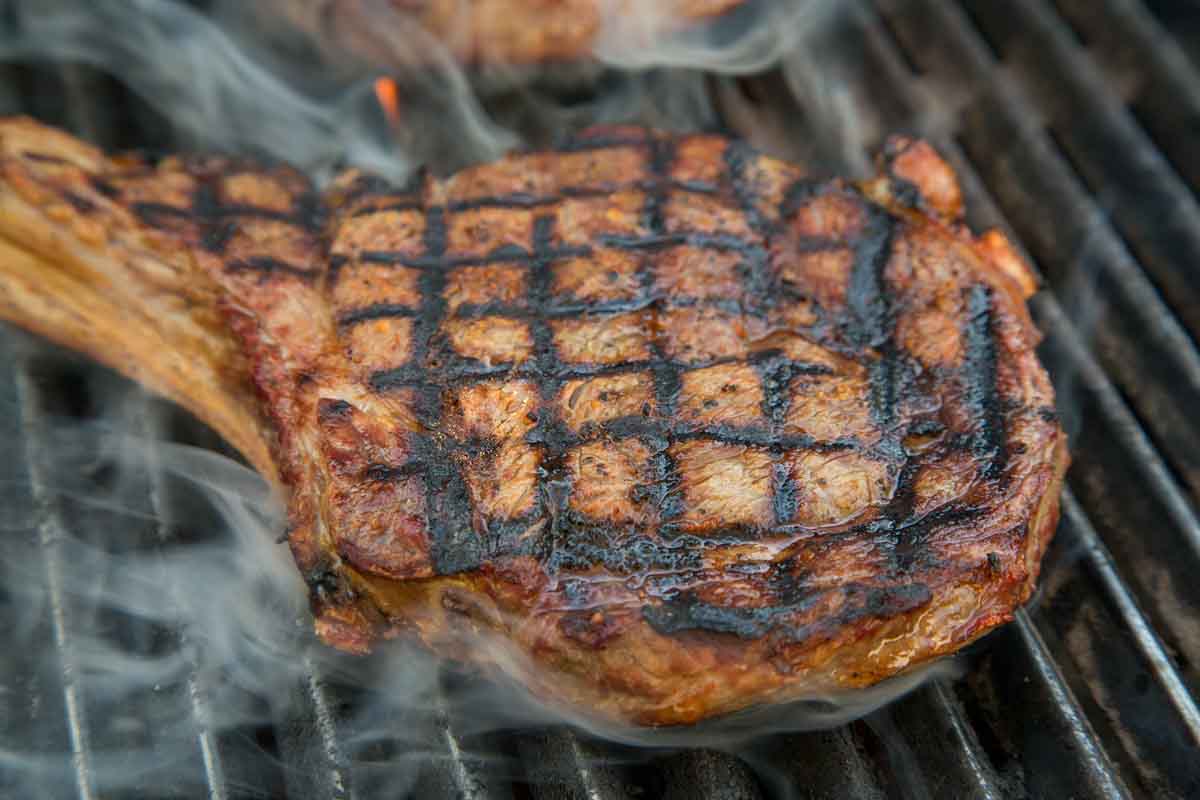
column 1074, row 126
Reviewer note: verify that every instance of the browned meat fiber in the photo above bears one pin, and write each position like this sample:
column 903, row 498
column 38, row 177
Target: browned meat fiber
column 671, row 428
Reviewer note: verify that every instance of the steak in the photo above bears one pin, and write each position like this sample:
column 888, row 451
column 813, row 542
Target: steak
column 654, row 424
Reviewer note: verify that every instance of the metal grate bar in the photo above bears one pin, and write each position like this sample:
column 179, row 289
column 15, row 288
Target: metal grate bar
column 48, row 531
column 317, row 767
column 822, row 764
column 707, row 773
column 1147, row 66
column 1101, row 562
column 1122, row 478
column 1087, row 264
column 462, row 768
column 561, row 765
column 1052, row 712
column 944, row 745
column 1132, row 181
column 1080, row 356
column 210, row 755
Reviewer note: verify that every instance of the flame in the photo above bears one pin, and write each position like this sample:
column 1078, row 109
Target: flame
column 388, row 95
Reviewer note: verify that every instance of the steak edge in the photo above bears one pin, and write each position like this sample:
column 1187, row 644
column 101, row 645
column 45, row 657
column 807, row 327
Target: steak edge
column 656, row 425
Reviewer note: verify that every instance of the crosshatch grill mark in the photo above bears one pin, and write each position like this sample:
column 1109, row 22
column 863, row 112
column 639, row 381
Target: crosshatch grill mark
column 869, row 327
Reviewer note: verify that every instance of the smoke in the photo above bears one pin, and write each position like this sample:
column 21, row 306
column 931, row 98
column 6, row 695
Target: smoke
column 148, row 575
column 157, row 567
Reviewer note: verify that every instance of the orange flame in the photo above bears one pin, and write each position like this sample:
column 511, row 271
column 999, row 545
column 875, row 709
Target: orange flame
column 388, row 95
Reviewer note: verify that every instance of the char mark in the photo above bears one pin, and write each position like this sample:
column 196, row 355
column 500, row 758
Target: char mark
column 330, row 410
column 385, row 473
column 440, row 263
column 216, row 236
column 737, row 155
column 870, row 310
column 783, row 492
column 584, row 547
column 78, row 202
column 867, row 295
column 987, row 440
column 159, row 215
column 455, row 546
column 800, row 192
column 44, row 158
column 686, row 613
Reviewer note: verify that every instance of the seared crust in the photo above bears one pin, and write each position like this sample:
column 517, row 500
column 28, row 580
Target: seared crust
column 673, row 440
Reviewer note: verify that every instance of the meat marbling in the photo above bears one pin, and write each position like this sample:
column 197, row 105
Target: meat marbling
column 653, row 423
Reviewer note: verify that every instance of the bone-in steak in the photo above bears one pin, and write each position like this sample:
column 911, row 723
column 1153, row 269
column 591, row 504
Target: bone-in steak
column 653, row 423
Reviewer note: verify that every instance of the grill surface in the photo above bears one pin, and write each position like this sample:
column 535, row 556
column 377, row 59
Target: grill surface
column 1072, row 125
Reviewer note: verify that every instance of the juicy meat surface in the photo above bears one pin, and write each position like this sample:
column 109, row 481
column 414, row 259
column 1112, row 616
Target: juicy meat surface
column 654, row 424
column 499, row 32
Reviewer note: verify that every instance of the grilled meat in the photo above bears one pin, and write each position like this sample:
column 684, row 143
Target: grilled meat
column 655, row 424
column 496, row 32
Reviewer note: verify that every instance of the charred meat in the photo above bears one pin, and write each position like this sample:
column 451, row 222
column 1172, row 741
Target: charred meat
column 653, row 423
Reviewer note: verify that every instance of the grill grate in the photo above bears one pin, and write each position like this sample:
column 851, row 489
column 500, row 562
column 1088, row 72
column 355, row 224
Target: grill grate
column 1072, row 126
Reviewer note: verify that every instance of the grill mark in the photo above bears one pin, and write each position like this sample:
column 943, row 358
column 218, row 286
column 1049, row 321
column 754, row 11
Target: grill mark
column 78, row 202
column 335, row 262
column 205, row 203
column 774, row 371
column 455, row 374
column 378, row 311
column 636, row 426
column 866, row 296
column 784, row 503
column 548, row 372
column 375, row 186
column 309, row 211
column 737, row 155
column 258, row 212
column 701, row 240
column 44, row 158
column 553, row 486
column 385, row 473
column 514, row 200
column 512, row 254
column 454, row 545
column 988, row 438
column 401, row 205
column 586, row 546
column 268, row 265
column 154, row 214
column 911, row 554
column 504, row 255
column 869, row 306
column 215, row 238
column 686, row 613
column 759, row 280
column 801, row 190
column 665, row 472
column 905, row 544
column 330, row 410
